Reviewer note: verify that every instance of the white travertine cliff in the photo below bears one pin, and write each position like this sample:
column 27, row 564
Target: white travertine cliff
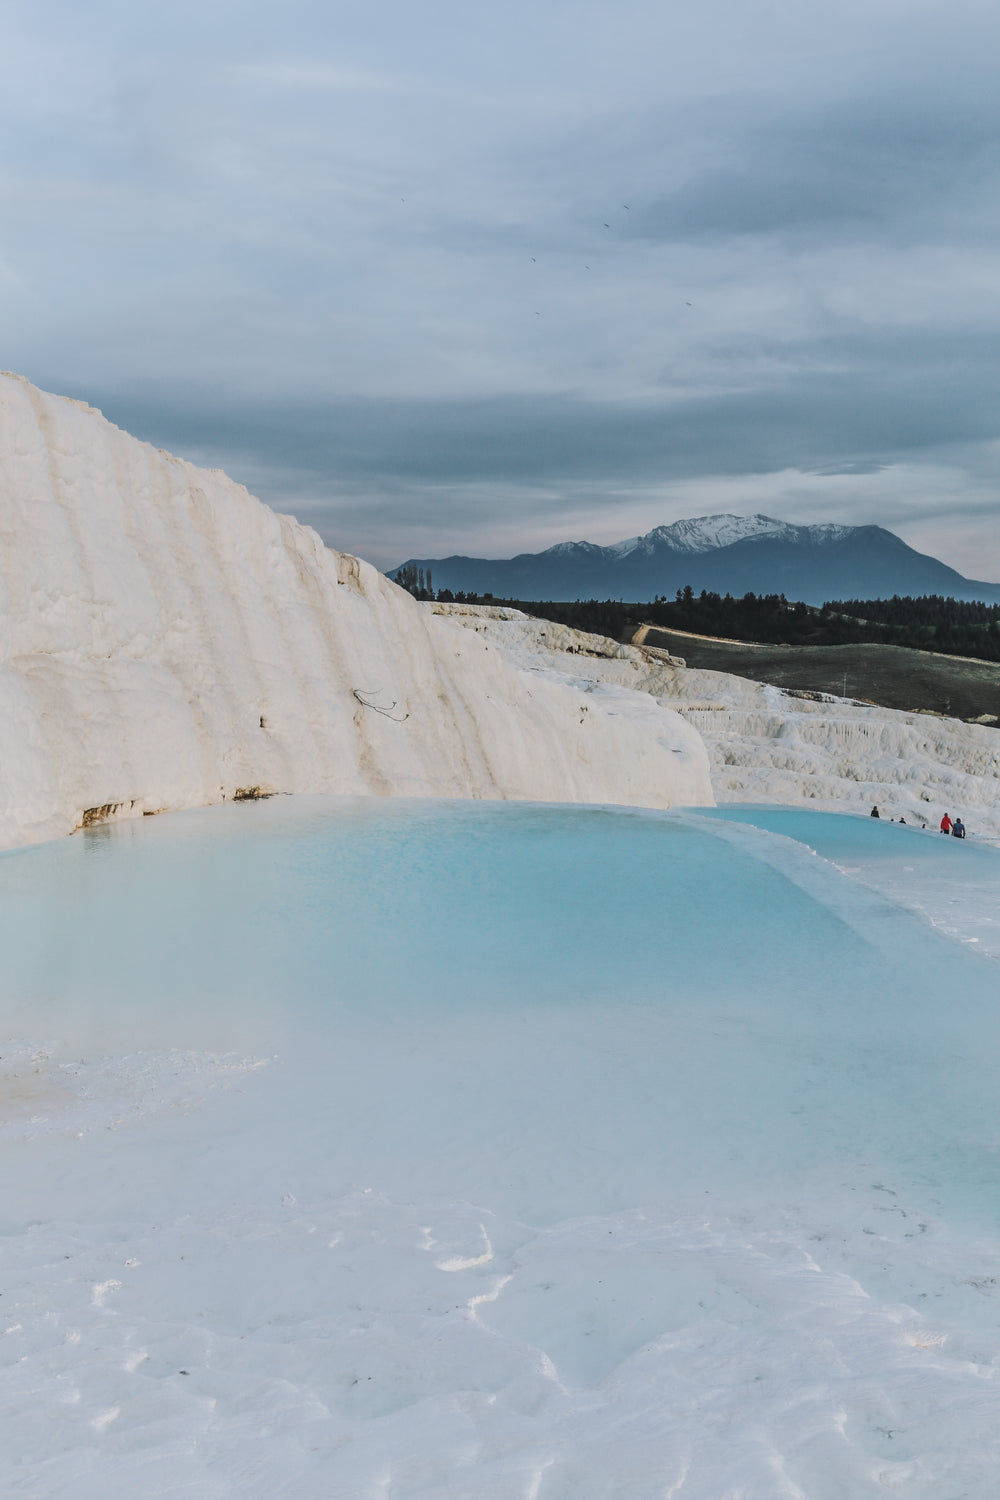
column 766, row 745
column 167, row 641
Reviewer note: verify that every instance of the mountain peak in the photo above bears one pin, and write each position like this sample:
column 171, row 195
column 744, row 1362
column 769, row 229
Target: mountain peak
column 569, row 549
column 700, row 534
column 707, row 533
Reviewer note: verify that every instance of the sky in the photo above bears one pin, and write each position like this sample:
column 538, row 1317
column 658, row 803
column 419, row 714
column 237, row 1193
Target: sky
column 439, row 277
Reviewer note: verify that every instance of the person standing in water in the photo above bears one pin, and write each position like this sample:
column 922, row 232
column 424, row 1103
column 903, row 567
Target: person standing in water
column 958, row 829
column 874, row 813
column 946, row 824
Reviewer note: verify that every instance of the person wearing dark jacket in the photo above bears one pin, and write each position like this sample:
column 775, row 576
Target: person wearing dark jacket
column 874, row 813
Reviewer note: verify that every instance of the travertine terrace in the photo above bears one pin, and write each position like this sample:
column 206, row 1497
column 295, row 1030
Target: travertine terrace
column 167, row 641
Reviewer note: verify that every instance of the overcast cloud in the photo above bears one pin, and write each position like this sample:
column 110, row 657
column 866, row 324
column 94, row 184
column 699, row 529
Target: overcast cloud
column 438, row 278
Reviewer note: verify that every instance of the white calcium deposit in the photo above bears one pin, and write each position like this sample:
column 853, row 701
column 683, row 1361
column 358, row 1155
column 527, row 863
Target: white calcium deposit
column 167, row 641
column 767, row 745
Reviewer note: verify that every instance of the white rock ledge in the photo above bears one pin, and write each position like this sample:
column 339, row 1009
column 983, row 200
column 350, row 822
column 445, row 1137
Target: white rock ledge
column 766, row 745
column 167, row 641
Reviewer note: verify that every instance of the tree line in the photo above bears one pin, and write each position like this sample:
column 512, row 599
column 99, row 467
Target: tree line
column 930, row 622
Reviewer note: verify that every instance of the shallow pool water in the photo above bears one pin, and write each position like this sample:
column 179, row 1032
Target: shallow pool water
column 399, row 1149
column 953, row 883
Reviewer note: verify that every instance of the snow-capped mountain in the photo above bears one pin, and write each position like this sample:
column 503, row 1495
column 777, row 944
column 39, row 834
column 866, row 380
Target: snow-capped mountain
column 704, row 533
column 725, row 553
column 574, row 549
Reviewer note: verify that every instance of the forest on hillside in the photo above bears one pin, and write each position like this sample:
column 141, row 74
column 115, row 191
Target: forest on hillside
column 927, row 623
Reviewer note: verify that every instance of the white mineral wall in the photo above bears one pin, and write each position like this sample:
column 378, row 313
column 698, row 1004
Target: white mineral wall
column 766, row 745
column 166, row 641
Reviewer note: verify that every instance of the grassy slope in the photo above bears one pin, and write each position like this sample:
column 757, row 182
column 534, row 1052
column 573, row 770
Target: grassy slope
column 892, row 676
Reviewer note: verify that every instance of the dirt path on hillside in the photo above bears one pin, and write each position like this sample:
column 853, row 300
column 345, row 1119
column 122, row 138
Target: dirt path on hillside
column 891, row 676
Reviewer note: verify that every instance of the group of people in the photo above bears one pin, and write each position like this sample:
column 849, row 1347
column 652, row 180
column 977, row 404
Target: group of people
column 956, row 828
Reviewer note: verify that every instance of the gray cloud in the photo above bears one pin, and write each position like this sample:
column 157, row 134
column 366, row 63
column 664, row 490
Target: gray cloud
column 854, row 167
column 921, row 392
column 380, row 264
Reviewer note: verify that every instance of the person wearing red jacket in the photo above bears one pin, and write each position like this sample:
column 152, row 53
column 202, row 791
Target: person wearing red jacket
column 946, row 824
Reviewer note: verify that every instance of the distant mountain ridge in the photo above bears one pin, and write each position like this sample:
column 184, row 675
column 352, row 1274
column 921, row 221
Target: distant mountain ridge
column 721, row 553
